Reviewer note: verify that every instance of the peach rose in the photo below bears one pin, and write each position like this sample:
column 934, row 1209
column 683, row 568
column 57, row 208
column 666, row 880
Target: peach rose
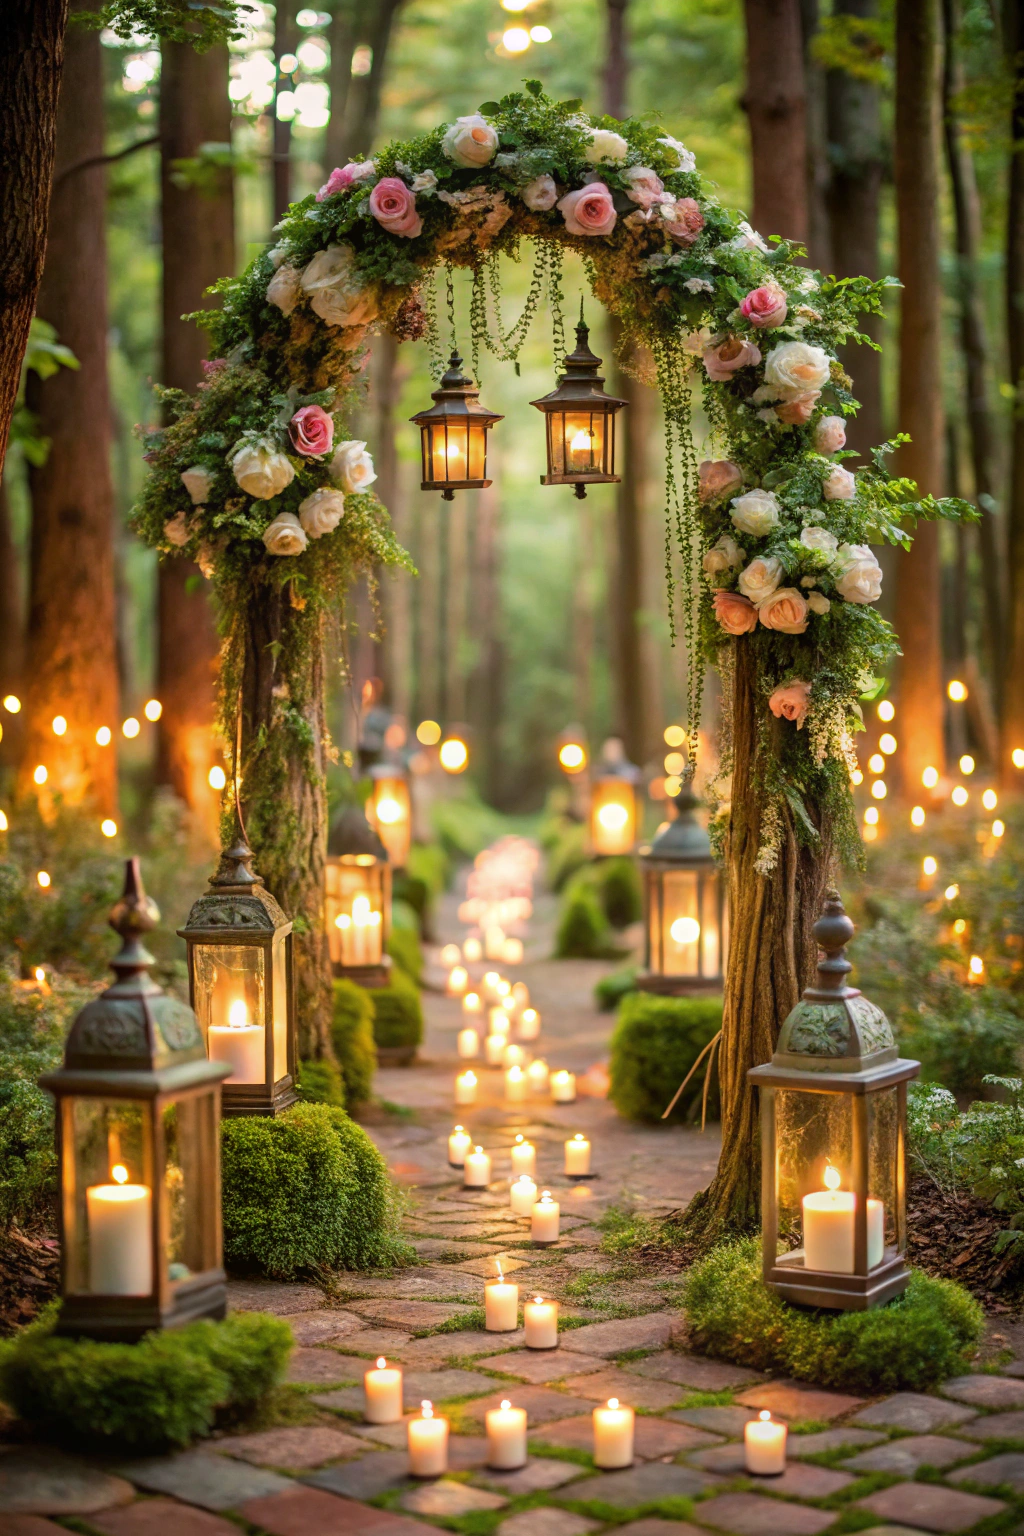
column 718, row 478
column 785, row 610
column 737, row 615
column 797, row 413
column 588, row 211
column 790, row 702
column 830, row 434
column 394, row 208
column 645, row 186
column 764, row 306
column 682, row 219
column 721, row 361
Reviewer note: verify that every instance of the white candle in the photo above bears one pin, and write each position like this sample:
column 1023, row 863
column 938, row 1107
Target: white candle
column 764, row 1445
column 469, row 1044
column 529, row 1024
column 465, row 1088
column 451, row 954
column 541, row 1319
column 494, row 1050
column 120, row 1236
column 524, row 1156
column 471, row 1003
column 516, row 1085
column 577, row 1155
column 828, row 1227
column 521, row 995
column 500, row 1023
column 613, row 1435
column 240, row 1043
column 563, row 1087
column 512, row 952
column 514, row 1056
column 382, row 1393
column 494, row 942
column 459, row 1143
column 523, row 1195
column 490, row 984
column 476, row 1169
column 506, row 1436
column 544, row 1219
column 428, row 1444
column 472, row 951
column 537, row 1072
column 501, row 1305
column 458, row 980
column 503, row 989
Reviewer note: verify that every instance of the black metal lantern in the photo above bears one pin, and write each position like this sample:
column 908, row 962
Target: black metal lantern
column 833, row 1141
column 138, row 1106
column 685, row 918
column 580, row 420
column 614, row 803
column 453, row 435
column 242, row 986
column 389, row 810
column 357, row 900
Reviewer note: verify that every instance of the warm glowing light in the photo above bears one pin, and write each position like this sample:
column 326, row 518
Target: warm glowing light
column 957, row 690
column 672, row 785
column 930, row 777
column 856, row 777
column 887, row 743
column 60, row 725
column 765, row 1416
column 389, row 811
column 951, row 892
column 108, row 827
column 675, row 762
column 572, row 757
column 43, row 879
column 451, row 954
column 540, row 34
column 3, row 821
column 238, row 1014
column 130, row 728
column 832, row 1177
column 428, row 1408
column 878, row 789
column 959, row 795
column 381, row 1363
column 119, row 1173
column 674, row 735
column 1016, row 756
column 216, row 778
column 39, row 973
column 967, row 763
column 887, row 710
column 871, row 816
column 103, row 736
column 976, row 966
column 917, row 816
column 990, row 799
column 517, row 40
column 454, row 755
column 12, row 703
column 685, row 930
column 514, row 5
column 428, row 733
column 613, row 817
column 876, row 763
column 998, row 828
column 153, row 709
column 869, row 834
column 960, row 926
column 40, row 774
column 930, row 865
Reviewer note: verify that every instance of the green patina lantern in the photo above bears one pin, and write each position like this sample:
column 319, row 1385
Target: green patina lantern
column 833, row 1141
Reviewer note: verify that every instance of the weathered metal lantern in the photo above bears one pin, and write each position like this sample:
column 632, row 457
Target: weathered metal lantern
column 241, row 983
column 580, row 420
column 357, row 900
column 614, row 808
column 389, row 810
column 138, row 1154
column 453, row 435
column 685, row 918
column 833, row 1141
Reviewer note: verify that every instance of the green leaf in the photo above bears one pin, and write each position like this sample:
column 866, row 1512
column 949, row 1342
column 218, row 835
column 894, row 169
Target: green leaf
column 489, row 108
column 799, row 810
column 534, row 87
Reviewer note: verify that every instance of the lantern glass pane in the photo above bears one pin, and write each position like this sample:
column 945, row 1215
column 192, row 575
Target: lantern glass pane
column 279, row 964
column 108, row 1196
column 883, row 1151
column 390, row 813
column 450, row 450
column 613, row 816
column 681, row 927
column 814, row 1131
column 230, row 1004
column 191, row 1153
column 581, row 443
column 355, row 910
column 477, row 451
column 710, row 938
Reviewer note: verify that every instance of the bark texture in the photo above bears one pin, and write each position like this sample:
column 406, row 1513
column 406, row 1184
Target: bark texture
column 1013, row 697
column 373, row 26
column 285, row 41
column 776, row 105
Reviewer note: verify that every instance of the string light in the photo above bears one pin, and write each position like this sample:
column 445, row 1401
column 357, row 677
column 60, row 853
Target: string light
column 976, row 967
column 108, row 827
column 917, row 816
column 957, row 691
column 878, row 789
column 930, row 865
column 1016, row 756
column 516, row 39
column 12, row 703
column 103, row 736
column 216, row 778
column 951, row 892
column 454, row 755
column 60, row 725
column 876, row 763
column 153, row 709
column 541, row 34
column 930, row 777
column 871, row 816
column 856, row 777
column 131, row 727
column 990, row 799
column 960, row 927
column 674, row 735
column 960, row 795
column 887, row 743
column 39, row 974
column 572, row 757
column 43, row 879
column 672, row 785
column 886, row 710
column 675, row 762
column 40, row 774
column 967, row 763
column 998, row 828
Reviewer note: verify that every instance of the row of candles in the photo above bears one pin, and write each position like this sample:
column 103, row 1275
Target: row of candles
column 543, row 1210
column 520, row 1083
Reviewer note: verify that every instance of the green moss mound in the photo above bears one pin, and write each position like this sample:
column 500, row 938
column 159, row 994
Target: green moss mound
column 583, row 932
column 655, row 1042
column 619, row 884
column 611, row 989
column 397, row 1014
column 158, row 1394
column 304, row 1193
column 352, row 1036
column 404, row 948
column 320, row 1082
column 921, row 1338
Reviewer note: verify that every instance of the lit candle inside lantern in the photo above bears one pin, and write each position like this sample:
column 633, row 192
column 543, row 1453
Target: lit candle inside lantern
column 828, row 1227
column 468, row 1043
column 458, row 980
column 501, row 1305
column 516, row 1085
column 515, row 1056
column 581, row 450
column 499, row 1021
column 472, row 951
column 459, row 1143
column 476, row 1169
column 241, row 1044
column 544, row 1219
column 541, row 1319
column 524, row 1157
column 537, row 1072
column 120, row 1237
column 563, row 1087
column 522, row 1195
column 494, row 1050
column 577, row 1155
column 764, row 1445
column 382, row 1393
column 529, row 1024
column 472, row 1003
column 506, row 1436
column 613, row 1435
column 428, row 1443
column 360, row 933
column 465, row 1088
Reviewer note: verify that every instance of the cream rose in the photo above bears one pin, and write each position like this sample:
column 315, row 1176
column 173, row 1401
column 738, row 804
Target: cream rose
column 794, row 369
column 540, row 194
column 722, row 361
column 197, row 481
column 335, row 292
column 726, row 555
column 717, row 478
column 830, row 434
column 755, row 512
column 606, row 145
column 817, row 602
column 819, row 539
column 860, row 578
column 839, row 485
column 685, row 160
column 785, row 610
column 645, row 186
column 260, row 471
column 351, row 467
column 285, row 535
column 761, row 578
column 285, row 288
column 176, row 530
column 470, row 140
column 322, row 511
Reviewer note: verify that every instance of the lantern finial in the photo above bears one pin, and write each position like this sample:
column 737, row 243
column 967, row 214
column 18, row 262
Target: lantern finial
column 833, row 931
column 236, row 872
column 131, row 917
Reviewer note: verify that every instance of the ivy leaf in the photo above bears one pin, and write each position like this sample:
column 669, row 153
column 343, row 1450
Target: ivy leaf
column 489, row 108
column 799, row 810
column 534, row 87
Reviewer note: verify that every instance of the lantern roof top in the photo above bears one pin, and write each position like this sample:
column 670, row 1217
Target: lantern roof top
column 351, row 833
column 456, row 395
column 580, row 384
column 237, row 900
column 682, row 840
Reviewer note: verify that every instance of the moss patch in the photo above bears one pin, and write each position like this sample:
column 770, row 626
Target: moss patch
column 655, row 1043
column 352, row 1037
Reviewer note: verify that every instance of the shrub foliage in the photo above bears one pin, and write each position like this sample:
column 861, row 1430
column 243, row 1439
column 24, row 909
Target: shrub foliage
column 655, row 1043
column 352, row 1036
column 397, row 1013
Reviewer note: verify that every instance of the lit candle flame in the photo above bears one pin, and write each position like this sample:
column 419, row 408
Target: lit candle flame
column 498, row 1266
column 613, row 1402
column 764, row 1415
column 428, row 1408
column 832, row 1177
column 119, row 1173
column 238, row 1016
column 381, row 1363
column 506, row 1402
column 581, row 442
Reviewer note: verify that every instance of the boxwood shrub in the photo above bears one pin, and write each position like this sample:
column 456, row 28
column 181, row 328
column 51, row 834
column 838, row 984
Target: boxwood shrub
column 618, row 881
column 352, row 1036
column 320, row 1082
column 397, row 1014
column 404, row 948
column 583, row 932
column 655, row 1042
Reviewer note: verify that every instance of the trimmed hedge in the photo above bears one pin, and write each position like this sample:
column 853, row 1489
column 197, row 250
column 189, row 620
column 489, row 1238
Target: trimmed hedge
column 304, row 1192
column 611, row 989
column 397, row 1013
column 320, row 1082
column 919, row 1339
column 155, row 1395
column 352, row 1036
column 583, row 932
column 655, row 1042
column 404, row 947
column 618, row 881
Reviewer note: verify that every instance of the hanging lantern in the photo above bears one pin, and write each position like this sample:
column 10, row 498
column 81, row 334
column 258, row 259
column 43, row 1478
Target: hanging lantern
column 357, row 900
column 389, row 810
column 685, row 919
column 833, row 1141
column 138, row 1154
column 614, row 808
column 453, row 435
column 580, row 421
column 242, row 988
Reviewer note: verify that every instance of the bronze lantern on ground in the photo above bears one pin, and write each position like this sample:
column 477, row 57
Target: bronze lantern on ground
column 685, row 934
column 833, row 1142
column 242, row 987
column 137, row 1112
column 614, row 803
column 453, row 435
column 389, row 810
column 580, row 421
column 357, row 901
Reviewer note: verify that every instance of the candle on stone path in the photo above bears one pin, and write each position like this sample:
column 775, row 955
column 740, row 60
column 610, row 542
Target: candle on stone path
column 503, row 988
column 382, row 1392
column 512, row 952
column 613, row 1435
column 490, row 982
column 494, row 1050
column 537, row 1072
column 494, row 942
column 451, row 954
column 468, row 1043
column 516, row 1085
column 515, row 1056
column 506, row 1437
column 459, row 1143
column 529, row 1024
column 242, row 1044
column 120, row 1239
column 472, row 951
column 458, row 981
column 544, row 1219
column 472, row 1003
column 501, row 1305
column 428, row 1443
column 521, row 995
column 465, row 1088
column 522, row 1195
column 764, row 1445
column 563, row 1087
column 524, row 1156
column 541, row 1319
column 499, row 1021
column 476, row 1170
column 577, row 1155
column 828, row 1227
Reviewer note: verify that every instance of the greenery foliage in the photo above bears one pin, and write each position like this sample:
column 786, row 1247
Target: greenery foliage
column 583, row 932
column 655, row 1043
column 404, row 949
column 397, row 1013
column 611, row 989
column 618, row 881
column 321, row 1082
column 352, row 1038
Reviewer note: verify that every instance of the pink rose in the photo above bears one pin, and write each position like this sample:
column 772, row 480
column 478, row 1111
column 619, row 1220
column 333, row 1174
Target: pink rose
column 790, row 701
column 311, row 431
column 344, row 176
column 394, row 208
column 797, row 413
column 683, row 220
column 737, row 615
column 590, row 211
column 830, row 434
column 785, row 610
column 645, row 187
column 722, row 361
column 765, row 306
column 718, row 478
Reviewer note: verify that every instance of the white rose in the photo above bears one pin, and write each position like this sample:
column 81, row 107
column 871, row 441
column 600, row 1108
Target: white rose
column 748, row 239
column 605, row 145
column 197, row 481
column 820, row 539
column 261, row 472
column 830, row 434
column 860, row 580
column 761, row 578
column 726, row 555
column 176, row 530
column 840, row 484
column 470, row 140
column 321, row 512
column 336, row 294
column 285, row 535
column 278, row 254
column 424, row 181
column 756, row 513
column 351, row 467
column 540, row 194
column 817, row 602
column 284, row 288
column 795, row 369
column 686, row 161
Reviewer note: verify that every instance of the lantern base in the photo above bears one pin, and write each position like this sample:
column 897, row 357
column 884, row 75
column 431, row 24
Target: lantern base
column 841, row 1293
column 680, row 986
column 580, row 482
column 125, row 1319
column 253, row 1099
column 448, row 490
column 370, row 976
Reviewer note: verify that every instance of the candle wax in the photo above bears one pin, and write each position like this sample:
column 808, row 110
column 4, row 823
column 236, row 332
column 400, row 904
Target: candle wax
column 428, row 1445
column 764, row 1446
column 494, row 1050
column 476, row 1169
column 544, row 1220
column 523, row 1195
column 541, row 1320
column 577, row 1155
column 120, row 1240
column 524, row 1157
column 459, row 1143
column 468, row 1044
column 465, row 1088
column 243, row 1046
column 828, row 1230
column 563, row 1087
column 613, row 1435
column 506, row 1437
column 516, row 1085
column 501, row 1306
column 382, row 1393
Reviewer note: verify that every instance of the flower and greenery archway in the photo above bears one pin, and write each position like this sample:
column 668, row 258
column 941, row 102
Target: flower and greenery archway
column 768, row 553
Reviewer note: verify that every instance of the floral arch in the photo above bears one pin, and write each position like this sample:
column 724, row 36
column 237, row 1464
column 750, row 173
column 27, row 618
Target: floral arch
column 767, row 541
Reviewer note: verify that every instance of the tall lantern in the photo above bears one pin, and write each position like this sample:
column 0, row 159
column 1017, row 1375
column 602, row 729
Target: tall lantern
column 242, row 986
column 357, row 900
column 389, row 810
column 833, row 1141
column 453, row 435
column 685, row 919
column 580, row 420
column 614, row 807
column 138, row 1154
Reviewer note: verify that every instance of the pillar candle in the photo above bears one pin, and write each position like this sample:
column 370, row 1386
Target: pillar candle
column 490, row 982
column 472, row 951
column 523, row 1195
column 503, row 989
column 516, row 1085
column 512, row 952
column 828, row 1220
column 459, row 1143
column 563, row 1087
column 471, row 1003
column 514, row 1056
column 537, row 1073
column 506, row 1436
column 577, row 1155
column 476, row 1169
column 499, row 1021
column 541, row 1319
column 529, row 1024
column 451, row 954
column 494, row 942
column 241, row 1044
column 501, row 1305
column 458, row 980
column 494, row 1050
column 521, row 995
column 465, row 1088
column 469, row 1044
column 120, row 1236
column 764, row 1445
column 613, row 1435
column 524, row 1156
column 428, row 1444
column 382, row 1392
column 544, row 1219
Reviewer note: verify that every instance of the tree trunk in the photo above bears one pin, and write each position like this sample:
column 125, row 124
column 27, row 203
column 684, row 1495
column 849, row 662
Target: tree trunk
column 1012, row 735
column 72, row 651
column 917, row 611
column 374, row 27
column 198, row 248
column 12, row 605
column 285, row 40
column 342, row 39
column 819, row 232
column 776, row 106
column 31, row 60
